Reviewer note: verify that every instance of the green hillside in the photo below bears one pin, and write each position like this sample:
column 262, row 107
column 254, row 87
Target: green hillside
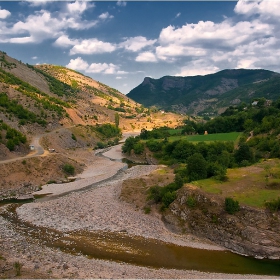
column 209, row 94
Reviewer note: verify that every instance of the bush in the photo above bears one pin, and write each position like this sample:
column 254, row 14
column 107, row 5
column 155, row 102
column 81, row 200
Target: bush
column 191, row 201
column 155, row 194
column 100, row 145
column 10, row 145
column 273, row 205
column 147, row 210
column 138, row 148
column 168, row 198
column 18, row 266
column 68, row 169
column 74, row 137
column 231, row 206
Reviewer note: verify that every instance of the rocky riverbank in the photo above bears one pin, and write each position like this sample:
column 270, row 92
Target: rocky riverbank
column 97, row 208
column 250, row 231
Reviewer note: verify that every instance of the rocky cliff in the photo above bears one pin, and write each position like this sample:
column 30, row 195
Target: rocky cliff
column 250, row 231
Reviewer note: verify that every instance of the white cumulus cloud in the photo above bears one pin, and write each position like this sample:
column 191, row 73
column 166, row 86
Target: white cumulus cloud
column 265, row 8
column 78, row 64
column 43, row 24
column 91, row 46
column 79, row 7
column 135, row 44
column 207, row 46
column 65, row 41
column 100, row 68
column 4, row 13
column 146, row 57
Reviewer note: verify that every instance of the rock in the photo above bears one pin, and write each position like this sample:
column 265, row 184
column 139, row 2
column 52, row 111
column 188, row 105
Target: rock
column 250, row 231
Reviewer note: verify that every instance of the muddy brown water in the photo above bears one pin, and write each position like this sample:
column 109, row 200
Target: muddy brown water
column 121, row 247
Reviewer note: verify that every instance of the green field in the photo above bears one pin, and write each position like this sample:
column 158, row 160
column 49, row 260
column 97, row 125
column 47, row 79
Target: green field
column 252, row 185
column 224, row 137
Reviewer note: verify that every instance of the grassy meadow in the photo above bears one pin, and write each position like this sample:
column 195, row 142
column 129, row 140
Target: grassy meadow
column 252, row 185
column 224, row 137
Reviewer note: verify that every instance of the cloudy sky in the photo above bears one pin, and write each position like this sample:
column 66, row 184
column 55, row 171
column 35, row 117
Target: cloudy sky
column 119, row 43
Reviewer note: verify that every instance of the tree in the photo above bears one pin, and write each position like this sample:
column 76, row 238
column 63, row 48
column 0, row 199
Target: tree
column 196, row 167
column 138, row 148
column 243, row 153
column 68, row 168
column 117, row 119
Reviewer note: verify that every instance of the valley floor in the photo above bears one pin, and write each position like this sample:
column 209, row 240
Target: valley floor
column 98, row 208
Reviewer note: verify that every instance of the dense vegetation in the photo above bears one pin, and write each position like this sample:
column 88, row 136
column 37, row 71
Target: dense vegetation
column 200, row 160
column 260, row 123
column 109, row 133
column 10, row 137
column 108, row 130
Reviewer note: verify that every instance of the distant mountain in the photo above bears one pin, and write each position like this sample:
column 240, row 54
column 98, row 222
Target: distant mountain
column 209, row 94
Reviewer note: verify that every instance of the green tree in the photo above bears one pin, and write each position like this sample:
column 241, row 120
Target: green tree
column 117, row 119
column 231, row 205
column 196, row 167
column 68, row 169
column 243, row 153
column 138, row 148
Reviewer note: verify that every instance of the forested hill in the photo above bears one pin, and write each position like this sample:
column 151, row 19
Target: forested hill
column 207, row 95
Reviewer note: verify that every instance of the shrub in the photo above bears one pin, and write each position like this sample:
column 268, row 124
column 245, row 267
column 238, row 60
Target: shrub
column 155, row 194
column 74, row 137
column 138, row 148
column 168, row 198
column 273, row 205
column 18, row 266
column 191, row 201
column 231, row 206
column 100, row 145
column 147, row 210
column 10, row 144
column 69, row 169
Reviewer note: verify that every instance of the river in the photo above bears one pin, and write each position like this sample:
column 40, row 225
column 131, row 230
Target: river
column 103, row 235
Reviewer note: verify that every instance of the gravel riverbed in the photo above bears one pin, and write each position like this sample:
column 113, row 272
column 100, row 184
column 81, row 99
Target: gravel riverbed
column 94, row 209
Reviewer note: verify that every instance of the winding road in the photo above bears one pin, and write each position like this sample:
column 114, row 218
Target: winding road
column 38, row 150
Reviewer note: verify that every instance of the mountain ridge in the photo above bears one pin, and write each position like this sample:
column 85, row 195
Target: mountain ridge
column 199, row 94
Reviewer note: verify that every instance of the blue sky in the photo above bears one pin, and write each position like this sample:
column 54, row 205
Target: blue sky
column 121, row 42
